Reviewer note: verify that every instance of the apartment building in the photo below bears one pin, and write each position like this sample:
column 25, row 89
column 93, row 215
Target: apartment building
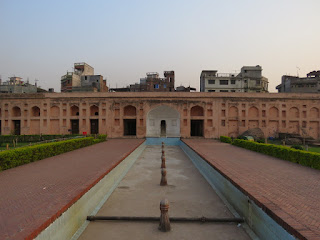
column 83, row 79
column 295, row 84
column 249, row 79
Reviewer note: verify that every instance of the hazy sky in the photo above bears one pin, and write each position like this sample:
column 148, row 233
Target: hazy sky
column 124, row 39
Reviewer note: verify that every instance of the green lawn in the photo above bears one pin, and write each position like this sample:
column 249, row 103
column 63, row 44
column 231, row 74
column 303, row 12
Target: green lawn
column 314, row 149
column 279, row 142
column 20, row 144
column 275, row 141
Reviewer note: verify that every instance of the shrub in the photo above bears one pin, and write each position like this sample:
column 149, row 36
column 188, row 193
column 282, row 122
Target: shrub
column 299, row 147
column 242, row 137
column 225, row 139
column 261, row 140
column 20, row 156
column 304, row 158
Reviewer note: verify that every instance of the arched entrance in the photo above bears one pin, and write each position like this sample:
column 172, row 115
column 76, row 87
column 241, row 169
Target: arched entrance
column 163, row 121
column 197, row 125
column 163, row 126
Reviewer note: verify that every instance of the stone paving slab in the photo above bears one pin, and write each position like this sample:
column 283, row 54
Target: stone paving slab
column 32, row 196
column 286, row 191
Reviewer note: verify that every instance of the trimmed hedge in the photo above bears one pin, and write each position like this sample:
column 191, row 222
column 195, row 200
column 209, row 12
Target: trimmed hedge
column 7, row 139
column 304, row 158
column 225, row 139
column 23, row 155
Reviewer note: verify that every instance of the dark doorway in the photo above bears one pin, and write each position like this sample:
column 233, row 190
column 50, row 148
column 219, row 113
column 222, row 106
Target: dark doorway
column 94, row 123
column 197, row 128
column 75, row 126
column 129, row 127
column 16, row 127
column 163, row 126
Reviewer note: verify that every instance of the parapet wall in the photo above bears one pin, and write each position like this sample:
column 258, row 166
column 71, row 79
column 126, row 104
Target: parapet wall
column 209, row 115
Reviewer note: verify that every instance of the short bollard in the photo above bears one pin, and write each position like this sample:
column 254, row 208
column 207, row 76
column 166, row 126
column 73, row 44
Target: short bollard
column 163, row 161
column 163, row 181
column 164, row 225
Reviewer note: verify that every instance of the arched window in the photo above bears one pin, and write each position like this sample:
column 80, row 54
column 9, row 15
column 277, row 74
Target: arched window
column 253, row 112
column 16, row 112
column 129, row 111
column 233, row 111
column 54, row 111
column 294, row 112
column 35, row 111
column 314, row 113
column 74, row 110
column 197, row 111
column 94, row 110
column 273, row 112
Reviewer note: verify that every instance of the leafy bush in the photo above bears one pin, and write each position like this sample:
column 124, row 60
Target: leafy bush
column 261, row 140
column 100, row 138
column 225, row 139
column 242, row 137
column 297, row 147
column 20, row 156
column 304, row 158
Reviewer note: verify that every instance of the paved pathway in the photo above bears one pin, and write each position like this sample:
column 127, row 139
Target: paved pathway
column 32, row 196
column 288, row 192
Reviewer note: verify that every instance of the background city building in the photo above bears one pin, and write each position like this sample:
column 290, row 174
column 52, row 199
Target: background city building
column 250, row 79
column 83, row 80
column 151, row 83
column 295, row 84
column 16, row 85
column 185, row 89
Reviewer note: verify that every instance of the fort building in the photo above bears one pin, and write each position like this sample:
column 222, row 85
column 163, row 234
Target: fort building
column 155, row 114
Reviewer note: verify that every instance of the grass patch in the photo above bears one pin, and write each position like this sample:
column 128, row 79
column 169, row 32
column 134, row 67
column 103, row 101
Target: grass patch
column 20, row 144
column 314, row 149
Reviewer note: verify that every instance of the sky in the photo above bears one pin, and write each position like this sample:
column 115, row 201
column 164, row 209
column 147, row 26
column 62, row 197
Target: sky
column 125, row 39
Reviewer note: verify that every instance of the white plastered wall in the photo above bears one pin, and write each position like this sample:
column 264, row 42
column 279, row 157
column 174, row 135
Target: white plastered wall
column 168, row 114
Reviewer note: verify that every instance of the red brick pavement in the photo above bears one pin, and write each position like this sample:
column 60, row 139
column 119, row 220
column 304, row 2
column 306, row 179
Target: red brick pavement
column 288, row 192
column 32, row 196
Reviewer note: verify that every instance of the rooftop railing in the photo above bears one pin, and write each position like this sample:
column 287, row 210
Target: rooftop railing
column 226, row 74
column 66, row 75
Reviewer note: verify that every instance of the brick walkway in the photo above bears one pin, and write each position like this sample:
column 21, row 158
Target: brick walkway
column 34, row 195
column 288, row 192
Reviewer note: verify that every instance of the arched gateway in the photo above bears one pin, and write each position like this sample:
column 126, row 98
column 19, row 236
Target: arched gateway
column 163, row 121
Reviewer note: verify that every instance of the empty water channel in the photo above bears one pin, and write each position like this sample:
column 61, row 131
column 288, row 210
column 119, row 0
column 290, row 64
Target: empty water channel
column 194, row 190
column 139, row 194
